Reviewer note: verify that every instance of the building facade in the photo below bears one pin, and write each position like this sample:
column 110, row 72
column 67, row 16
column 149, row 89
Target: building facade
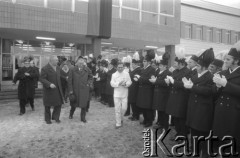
column 78, row 27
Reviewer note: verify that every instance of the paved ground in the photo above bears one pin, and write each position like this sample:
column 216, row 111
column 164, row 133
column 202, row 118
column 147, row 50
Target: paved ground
column 28, row 136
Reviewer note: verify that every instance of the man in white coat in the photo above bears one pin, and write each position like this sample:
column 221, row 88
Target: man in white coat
column 120, row 82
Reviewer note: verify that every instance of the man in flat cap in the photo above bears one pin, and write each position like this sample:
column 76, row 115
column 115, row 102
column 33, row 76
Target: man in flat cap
column 216, row 66
column 227, row 107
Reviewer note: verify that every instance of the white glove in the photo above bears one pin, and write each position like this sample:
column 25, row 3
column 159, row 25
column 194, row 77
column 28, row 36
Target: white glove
column 167, row 80
column 171, row 79
column 152, row 80
column 219, row 81
column 135, row 79
column 98, row 79
column 138, row 76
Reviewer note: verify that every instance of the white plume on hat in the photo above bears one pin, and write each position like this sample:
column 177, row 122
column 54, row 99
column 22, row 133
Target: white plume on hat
column 237, row 45
column 127, row 59
column 90, row 55
column 180, row 53
column 136, row 56
column 85, row 57
column 221, row 55
column 200, row 52
column 157, row 58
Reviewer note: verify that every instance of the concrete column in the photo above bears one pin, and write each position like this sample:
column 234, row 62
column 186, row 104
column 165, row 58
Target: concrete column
column 0, row 64
column 171, row 50
column 182, row 32
column 96, row 42
column 232, row 37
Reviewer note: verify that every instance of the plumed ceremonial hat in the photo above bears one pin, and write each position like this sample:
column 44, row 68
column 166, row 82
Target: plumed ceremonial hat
column 206, row 58
column 217, row 62
column 194, row 58
column 135, row 58
column 114, row 62
column 234, row 53
column 180, row 55
column 150, row 55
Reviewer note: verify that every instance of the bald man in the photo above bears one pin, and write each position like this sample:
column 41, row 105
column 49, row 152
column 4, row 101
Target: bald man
column 52, row 90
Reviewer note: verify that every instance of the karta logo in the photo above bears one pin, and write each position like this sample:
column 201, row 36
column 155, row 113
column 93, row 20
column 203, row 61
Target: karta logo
column 153, row 142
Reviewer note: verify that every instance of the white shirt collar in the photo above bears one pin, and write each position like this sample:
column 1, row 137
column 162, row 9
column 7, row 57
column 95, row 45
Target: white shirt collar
column 202, row 73
column 231, row 71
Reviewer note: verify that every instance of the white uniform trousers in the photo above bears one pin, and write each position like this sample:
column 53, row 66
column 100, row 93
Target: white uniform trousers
column 120, row 109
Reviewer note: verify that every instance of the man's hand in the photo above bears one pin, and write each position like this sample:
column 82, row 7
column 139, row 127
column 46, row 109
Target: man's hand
column 52, row 85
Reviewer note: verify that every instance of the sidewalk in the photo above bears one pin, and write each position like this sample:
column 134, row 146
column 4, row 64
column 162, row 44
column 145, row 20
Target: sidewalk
column 28, row 136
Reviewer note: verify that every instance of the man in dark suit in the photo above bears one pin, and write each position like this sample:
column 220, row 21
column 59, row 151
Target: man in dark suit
column 145, row 89
column 109, row 89
column 133, row 90
column 192, row 64
column 200, row 104
column 26, row 86
column 52, row 90
column 227, row 106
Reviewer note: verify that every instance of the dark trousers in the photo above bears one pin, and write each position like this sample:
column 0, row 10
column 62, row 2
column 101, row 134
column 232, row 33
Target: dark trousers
column 180, row 126
column 22, row 103
column 110, row 100
column 103, row 97
column 135, row 110
column 88, row 106
column 128, row 109
column 55, row 114
column 148, row 115
column 82, row 115
column 31, row 102
column 163, row 119
column 202, row 145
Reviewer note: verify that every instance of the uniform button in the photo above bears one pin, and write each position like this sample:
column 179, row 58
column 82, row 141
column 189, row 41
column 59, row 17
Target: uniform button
column 227, row 98
column 195, row 95
column 221, row 104
column 221, row 96
column 227, row 104
column 195, row 101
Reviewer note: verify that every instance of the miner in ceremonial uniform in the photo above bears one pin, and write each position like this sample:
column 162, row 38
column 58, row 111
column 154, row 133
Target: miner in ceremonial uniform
column 200, row 104
column 178, row 96
column 216, row 66
column 192, row 64
column 145, row 89
column 161, row 93
column 109, row 89
column 102, row 79
column 227, row 106
column 133, row 89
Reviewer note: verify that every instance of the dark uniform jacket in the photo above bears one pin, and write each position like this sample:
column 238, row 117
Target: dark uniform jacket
column 133, row 89
column 51, row 96
column 161, row 91
column 178, row 96
column 103, row 81
column 145, row 88
column 26, row 86
column 227, row 107
column 109, row 88
column 193, row 72
column 36, row 69
column 200, row 104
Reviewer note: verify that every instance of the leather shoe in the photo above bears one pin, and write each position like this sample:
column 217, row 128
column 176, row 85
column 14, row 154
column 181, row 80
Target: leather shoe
column 70, row 117
column 148, row 125
column 58, row 121
column 48, row 122
column 84, row 120
column 20, row 113
column 142, row 123
column 117, row 127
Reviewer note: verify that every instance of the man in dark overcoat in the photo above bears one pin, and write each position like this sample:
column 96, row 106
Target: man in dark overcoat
column 133, row 90
column 26, row 86
column 161, row 93
column 80, row 81
column 102, row 79
column 178, row 96
column 227, row 106
column 145, row 89
column 192, row 65
column 52, row 90
column 200, row 104
column 109, row 89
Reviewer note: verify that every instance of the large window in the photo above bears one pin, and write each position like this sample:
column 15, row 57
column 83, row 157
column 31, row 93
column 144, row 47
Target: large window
column 218, row 36
column 236, row 38
column 167, row 7
column 188, row 31
column 7, row 63
column 81, row 6
column 199, row 32
column 39, row 3
column 130, row 4
column 228, row 37
column 150, row 5
column 209, row 36
column 60, row 4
